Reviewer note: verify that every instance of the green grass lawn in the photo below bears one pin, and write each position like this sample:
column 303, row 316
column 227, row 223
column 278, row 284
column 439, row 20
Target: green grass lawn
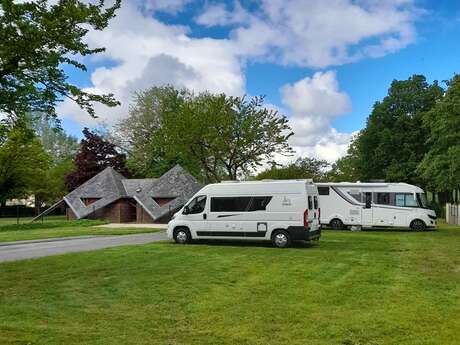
column 61, row 228
column 25, row 220
column 372, row 287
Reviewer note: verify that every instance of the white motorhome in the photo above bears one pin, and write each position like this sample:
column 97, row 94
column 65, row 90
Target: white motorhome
column 278, row 211
column 370, row 205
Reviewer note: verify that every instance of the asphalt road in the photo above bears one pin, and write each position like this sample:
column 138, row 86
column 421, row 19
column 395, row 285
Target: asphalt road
column 35, row 249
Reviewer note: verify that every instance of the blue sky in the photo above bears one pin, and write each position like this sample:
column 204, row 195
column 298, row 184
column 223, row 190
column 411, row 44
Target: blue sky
column 247, row 47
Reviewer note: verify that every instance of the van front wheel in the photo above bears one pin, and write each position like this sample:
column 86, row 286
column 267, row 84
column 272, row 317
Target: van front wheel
column 281, row 239
column 182, row 236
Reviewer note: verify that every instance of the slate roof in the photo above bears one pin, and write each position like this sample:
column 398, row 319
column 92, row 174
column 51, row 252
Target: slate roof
column 109, row 186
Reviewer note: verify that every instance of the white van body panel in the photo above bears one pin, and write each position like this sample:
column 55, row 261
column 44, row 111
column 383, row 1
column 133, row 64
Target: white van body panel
column 346, row 202
column 288, row 200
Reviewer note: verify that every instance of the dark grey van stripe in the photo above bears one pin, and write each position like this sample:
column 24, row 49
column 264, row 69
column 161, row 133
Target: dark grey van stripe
column 231, row 233
column 226, row 215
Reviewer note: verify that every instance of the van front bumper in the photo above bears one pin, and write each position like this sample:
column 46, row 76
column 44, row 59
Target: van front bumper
column 302, row 233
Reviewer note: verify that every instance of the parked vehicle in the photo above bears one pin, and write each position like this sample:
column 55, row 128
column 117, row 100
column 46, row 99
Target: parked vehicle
column 278, row 211
column 370, row 205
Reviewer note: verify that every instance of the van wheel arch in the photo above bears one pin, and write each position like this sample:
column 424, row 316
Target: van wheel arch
column 418, row 225
column 336, row 224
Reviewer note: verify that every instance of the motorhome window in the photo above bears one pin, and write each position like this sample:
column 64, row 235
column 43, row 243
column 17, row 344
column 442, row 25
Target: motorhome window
column 230, row 204
column 422, row 202
column 315, row 200
column 323, row 190
column 310, row 203
column 259, row 203
column 383, row 198
column 197, row 205
column 356, row 196
column 399, row 200
column 410, row 201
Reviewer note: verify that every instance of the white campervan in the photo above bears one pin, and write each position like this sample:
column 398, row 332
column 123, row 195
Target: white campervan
column 279, row 211
column 370, row 205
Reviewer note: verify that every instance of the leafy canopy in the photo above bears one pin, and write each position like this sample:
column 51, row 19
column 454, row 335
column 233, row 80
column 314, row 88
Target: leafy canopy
column 38, row 38
column 441, row 165
column 302, row 168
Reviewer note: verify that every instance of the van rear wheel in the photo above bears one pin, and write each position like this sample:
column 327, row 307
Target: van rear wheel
column 336, row 224
column 281, row 239
column 418, row 225
column 182, row 236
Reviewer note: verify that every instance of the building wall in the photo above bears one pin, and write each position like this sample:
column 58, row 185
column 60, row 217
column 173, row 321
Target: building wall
column 142, row 216
column 120, row 211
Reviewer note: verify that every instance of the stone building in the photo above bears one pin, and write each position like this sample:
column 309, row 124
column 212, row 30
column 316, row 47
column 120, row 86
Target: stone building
column 110, row 196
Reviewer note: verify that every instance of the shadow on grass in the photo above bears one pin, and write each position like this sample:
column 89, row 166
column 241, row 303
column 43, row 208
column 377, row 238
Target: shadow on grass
column 253, row 243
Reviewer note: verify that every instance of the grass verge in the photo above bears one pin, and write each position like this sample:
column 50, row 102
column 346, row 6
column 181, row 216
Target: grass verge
column 351, row 288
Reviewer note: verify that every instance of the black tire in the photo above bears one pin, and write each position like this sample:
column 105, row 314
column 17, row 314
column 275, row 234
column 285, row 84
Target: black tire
column 418, row 225
column 182, row 236
column 281, row 239
column 336, row 224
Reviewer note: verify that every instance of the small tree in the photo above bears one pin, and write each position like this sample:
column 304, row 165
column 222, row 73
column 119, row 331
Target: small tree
column 23, row 162
column 37, row 38
column 95, row 155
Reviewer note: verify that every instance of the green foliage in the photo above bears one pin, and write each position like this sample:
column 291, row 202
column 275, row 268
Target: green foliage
column 226, row 136
column 38, row 38
column 394, row 140
column 214, row 137
column 134, row 134
column 441, row 165
column 302, row 168
column 23, row 161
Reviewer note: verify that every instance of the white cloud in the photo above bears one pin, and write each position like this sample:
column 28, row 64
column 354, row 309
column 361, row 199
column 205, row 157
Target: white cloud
column 147, row 52
column 318, row 33
column 313, row 103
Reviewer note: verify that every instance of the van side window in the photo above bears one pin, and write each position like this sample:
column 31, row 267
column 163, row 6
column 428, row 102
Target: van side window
column 259, row 203
column 230, row 204
column 315, row 200
column 310, row 203
column 383, row 198
column 197, row 205
column 323, row 190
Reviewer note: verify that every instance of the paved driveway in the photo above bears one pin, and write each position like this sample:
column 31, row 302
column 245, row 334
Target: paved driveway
column 34, row 249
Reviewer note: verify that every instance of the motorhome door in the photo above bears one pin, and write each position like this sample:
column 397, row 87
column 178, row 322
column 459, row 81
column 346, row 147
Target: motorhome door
column 366, row 214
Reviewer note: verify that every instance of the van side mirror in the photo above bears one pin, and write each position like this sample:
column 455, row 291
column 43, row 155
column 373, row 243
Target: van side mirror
column 186, row 210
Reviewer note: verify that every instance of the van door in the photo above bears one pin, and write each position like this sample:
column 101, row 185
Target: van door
column 366, row 214
column 196, row 214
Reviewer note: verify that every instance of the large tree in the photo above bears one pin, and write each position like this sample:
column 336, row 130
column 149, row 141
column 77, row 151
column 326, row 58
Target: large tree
column 23, row 162
column 302, row 168
column 393, row 142
column 134, row 134
column 37, row 39
column 226, row 136
column 441, row 165
column 95, row 155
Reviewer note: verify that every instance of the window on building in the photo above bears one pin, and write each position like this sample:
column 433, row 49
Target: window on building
column 323, row 190
column 89, row 201
column 383, row 198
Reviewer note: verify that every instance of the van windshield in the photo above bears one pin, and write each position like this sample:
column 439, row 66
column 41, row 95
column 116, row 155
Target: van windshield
column 421, row 199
